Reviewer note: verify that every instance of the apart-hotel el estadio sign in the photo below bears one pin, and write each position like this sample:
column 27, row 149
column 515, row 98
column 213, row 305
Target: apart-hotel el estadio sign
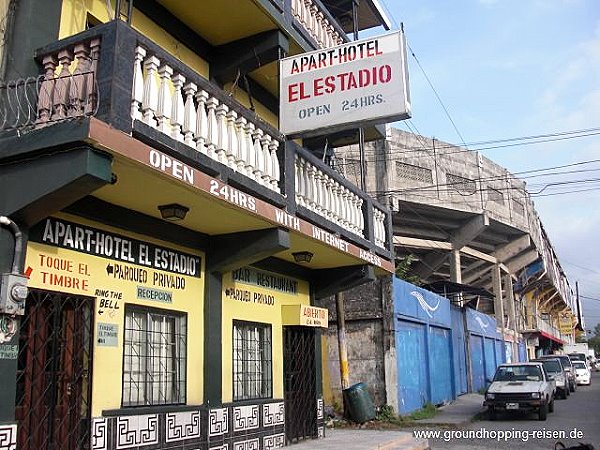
column 355, row 84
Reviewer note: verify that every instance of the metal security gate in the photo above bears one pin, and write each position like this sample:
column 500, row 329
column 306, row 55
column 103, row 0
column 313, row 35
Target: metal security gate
column 300, row 383
column 54, row 372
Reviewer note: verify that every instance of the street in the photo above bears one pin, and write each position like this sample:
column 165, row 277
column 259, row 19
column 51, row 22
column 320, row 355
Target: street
column 579, row 413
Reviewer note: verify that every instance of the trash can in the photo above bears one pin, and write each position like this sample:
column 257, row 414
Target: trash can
column 358, row 402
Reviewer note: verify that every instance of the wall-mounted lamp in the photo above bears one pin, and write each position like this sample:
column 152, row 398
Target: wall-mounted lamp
column 302, row 257
column 173, row 211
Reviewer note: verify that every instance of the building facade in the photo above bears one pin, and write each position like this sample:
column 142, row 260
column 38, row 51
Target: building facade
column 172, row 257
column 470, row 232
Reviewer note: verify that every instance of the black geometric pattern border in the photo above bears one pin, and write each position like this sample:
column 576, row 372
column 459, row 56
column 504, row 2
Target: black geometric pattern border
column 8, row 437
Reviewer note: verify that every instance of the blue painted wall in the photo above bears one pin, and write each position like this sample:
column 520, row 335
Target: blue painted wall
column 440, row 365
column 477, row 362
column 431, row 347
column 522, row 351
column 423, row 347
column 412, row 366
column 459, row 355
column 417, row 303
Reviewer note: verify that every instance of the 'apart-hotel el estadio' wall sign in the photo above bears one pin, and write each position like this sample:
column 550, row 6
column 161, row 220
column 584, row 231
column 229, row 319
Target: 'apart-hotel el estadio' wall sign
column 356, row 84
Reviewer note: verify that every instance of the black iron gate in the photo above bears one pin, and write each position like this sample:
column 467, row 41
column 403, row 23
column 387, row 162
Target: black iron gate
column 300, row 383
column 54, row 372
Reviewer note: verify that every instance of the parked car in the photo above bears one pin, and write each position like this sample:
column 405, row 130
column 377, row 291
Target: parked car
column 556, row 372
column 582, row 373
column 568, row 366
column 520, row 387
column 578, row 357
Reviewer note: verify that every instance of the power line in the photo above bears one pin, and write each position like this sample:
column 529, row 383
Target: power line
column 506, row 143
column 436, row 94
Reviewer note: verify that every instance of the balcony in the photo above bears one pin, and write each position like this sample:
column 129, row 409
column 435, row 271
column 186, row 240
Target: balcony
column 120, row 77
column 535, row 324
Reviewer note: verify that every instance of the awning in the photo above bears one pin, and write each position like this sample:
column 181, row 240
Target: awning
column 444, row 288
column 549, row 336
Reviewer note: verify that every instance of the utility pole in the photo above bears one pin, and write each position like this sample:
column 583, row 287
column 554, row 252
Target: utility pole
column 361, row 131
column 342, row 349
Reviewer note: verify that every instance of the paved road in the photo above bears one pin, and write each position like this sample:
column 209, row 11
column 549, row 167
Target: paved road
column 579, row 413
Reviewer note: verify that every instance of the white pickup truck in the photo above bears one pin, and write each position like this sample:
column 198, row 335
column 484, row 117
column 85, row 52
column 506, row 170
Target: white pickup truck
column 520, row 387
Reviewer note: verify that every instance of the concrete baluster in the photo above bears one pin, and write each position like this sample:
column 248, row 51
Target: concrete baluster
column 150, row 101
column 222, row 144
column 232, row 140
column 242, row 152
column 163, row 111
column 250, row 150
column 137, row 96
column 62, row 84
column 259, row 159
column 213, row 127
column 177, row 107
column 44, row 108
column 190, row 119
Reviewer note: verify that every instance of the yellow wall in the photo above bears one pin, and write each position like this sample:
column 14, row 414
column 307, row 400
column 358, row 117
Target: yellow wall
column 73, row 19
column 108, row 360
column 241, row 97
column 257, row 312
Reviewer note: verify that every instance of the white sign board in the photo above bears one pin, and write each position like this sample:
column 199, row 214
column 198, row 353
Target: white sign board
column 356, row 84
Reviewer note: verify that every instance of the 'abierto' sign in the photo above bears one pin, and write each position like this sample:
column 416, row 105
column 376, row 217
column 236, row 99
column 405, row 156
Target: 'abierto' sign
column 355, row 84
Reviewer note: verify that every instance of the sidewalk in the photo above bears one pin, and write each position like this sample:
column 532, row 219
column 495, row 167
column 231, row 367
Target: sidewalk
column 351, row 439
column 459, row 412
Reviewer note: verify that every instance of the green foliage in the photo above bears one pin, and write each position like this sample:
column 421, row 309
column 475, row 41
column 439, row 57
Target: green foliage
column 386, row 414
column 403, row 269
column 426, row 412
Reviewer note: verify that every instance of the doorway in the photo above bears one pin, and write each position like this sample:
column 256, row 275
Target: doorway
column 53, row 404
column 299, row 383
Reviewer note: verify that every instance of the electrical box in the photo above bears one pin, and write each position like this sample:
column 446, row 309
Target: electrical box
column 13, row 292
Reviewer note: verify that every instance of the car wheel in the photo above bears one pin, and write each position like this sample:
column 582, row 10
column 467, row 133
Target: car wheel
column 492, row 413
column 543, row 412
column 551, row 406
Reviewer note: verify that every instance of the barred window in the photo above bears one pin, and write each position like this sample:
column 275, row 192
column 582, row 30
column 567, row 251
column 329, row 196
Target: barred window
column 495, row 195
column 412, row 172
column 154, row 357
column 463, row 185
column 518, row 207
column 252, row 361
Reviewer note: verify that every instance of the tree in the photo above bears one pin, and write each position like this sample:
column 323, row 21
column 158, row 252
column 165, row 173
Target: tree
column 594, row 341
column 403, row 269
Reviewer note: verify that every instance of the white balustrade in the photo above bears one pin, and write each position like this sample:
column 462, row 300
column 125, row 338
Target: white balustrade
column 320, row 193
column 316, row 23
column 379, row 227
column 163, row 99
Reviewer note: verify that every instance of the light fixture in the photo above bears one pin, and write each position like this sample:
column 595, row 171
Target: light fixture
column 173, row 211
column 302, row 257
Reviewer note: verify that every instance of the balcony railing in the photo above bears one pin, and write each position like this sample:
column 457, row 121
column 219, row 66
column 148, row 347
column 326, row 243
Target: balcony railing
column 137, row 87
column 322, row 194
column 315, row 19
column 67, row 89
column 164, row 99
column 537, row 323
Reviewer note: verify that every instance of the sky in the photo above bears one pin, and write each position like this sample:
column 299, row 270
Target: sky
column 512, row 69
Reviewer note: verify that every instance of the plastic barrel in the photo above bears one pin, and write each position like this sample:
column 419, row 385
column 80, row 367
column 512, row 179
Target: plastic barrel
column 358, row 402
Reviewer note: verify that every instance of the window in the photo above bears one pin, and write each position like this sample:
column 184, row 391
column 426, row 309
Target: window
column 252, row 361
column 412, row 172
column 462, row 185
column 154, row 357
